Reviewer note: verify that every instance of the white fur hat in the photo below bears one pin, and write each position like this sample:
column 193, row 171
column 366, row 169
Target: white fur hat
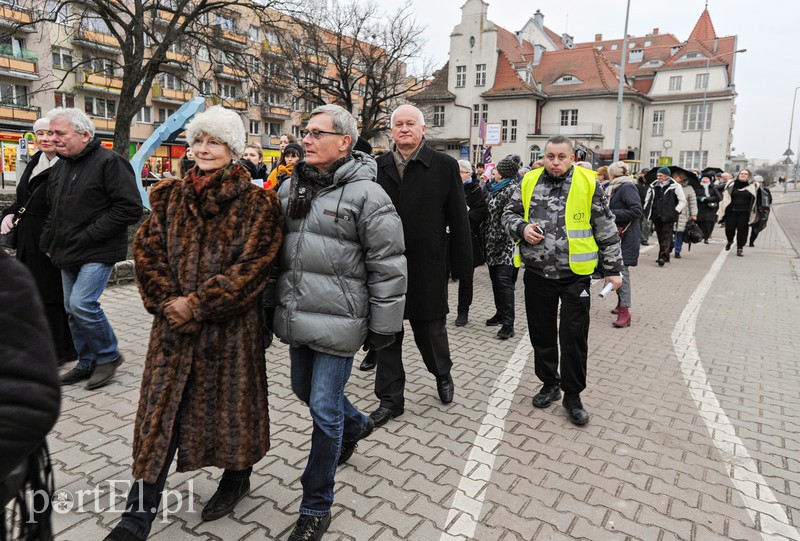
column 41, row 124
column 224, row 124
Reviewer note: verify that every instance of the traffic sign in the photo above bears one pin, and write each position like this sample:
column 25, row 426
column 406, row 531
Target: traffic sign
column 23, row 146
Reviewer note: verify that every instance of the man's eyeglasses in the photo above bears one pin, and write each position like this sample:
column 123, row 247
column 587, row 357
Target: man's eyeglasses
column 316, row 134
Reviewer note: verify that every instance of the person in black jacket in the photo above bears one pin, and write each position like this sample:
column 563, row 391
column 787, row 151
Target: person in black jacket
column 93, row 199
column 29, row 393
column 708, row 199
column 664, row 202
column 32, row 195
column 430, row 201
column 477, row 211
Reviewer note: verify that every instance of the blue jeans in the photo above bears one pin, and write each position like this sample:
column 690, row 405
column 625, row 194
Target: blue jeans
column 92, row 334
column 678, row 241
column 318, row 379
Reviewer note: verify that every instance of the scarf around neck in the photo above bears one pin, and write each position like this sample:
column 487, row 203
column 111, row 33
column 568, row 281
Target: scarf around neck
column 201, row 181
column 306, row 183
column 497, row 186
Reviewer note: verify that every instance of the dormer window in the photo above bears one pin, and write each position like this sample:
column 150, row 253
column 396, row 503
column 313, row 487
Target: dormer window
column 674, row 49
column 637, row 55
column 652, row 64
column 691, row 56
column 631, row 45
column 567, row 80
column 648, row 43
column 614, row 47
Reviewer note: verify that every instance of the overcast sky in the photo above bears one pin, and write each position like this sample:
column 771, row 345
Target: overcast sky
column 766, row 75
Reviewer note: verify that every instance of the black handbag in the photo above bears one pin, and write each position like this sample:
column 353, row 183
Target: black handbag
column 693, row 233
column 9, row 240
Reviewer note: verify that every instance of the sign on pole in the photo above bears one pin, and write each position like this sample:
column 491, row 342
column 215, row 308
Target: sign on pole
column 493, row 134
column 23, row 146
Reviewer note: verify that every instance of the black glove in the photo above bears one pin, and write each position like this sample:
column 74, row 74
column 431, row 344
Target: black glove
column 376, row 341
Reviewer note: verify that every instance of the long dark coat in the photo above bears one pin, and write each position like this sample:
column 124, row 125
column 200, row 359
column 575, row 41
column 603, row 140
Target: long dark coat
column 428, row 199
column 215, row 248
column 477, row 213
column 704, row 212
column 626, row 205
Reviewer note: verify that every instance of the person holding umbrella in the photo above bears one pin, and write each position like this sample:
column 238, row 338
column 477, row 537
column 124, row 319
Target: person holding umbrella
column 708, row 198
column 663, row 204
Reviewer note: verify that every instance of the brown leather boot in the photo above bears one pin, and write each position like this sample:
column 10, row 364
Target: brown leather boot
column 623, row 317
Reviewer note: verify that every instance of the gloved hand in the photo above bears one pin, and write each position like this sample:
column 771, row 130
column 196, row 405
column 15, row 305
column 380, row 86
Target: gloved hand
column 376, row 341
column 7, row 225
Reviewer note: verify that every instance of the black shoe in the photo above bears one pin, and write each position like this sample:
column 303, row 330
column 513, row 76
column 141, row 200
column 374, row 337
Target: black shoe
column 644, row 243
column 740, row 252
column 505, row 332
column 677, row 255
column 349, row 447
column 705, row 241
column 444, row 384
column 310, row 528
column 751, row 245
column 382, row 415
column 575, row 409
column 75, row 375
column 121, row 534
column 660, row 262
column 546, row 396
column 728, row 246
column 493, row 321
column 223, row 502
column 103, row 373
column 462, row 318
column 368, row 363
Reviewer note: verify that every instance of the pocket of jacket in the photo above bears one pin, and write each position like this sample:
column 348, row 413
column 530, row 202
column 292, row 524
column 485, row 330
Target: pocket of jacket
column 347, row 296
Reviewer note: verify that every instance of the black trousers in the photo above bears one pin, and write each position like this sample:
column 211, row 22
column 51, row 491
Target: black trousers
column 707, row 228
column 465, row 291
column 664, row 231
column 542, row 299
column 736, row 224
column 503, row 282
column 390, row 376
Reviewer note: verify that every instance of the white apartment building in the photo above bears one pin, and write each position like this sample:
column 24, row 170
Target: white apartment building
column 534, row 83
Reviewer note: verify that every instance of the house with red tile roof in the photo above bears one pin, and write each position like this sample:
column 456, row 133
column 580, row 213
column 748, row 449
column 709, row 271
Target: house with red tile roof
column 678, row 96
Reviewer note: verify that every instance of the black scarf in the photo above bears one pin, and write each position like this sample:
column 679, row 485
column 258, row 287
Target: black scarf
column 306, row 183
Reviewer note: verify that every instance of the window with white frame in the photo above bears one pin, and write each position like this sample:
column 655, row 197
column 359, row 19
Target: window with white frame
column 255, row 127
column 145, row 115
column 104, row 66
column 255, row 96
column 461, row 76
column 255, row 33
column 170, row 81
column 636, row 55
column 504, row 131
column 275, row 98
column 226, row 23
column 438, row 115
column 513, row 137
column 206, row 88
column 274, row 129
column 92, row 22
column 654, row 156
column 228, row 90
column 100, row 107
column 476, row 114
column 536, row 153
column 64, row 100
column 658, row 122
column 691, row 159
column 695, row 118
column 485, row 112
column 62, row 58
column 203, row 54
column 480, row 74
column 701, row 81
column 569, row 117
column 57, row 11
column 13, row 94
column 164, row 113
column 675, row 83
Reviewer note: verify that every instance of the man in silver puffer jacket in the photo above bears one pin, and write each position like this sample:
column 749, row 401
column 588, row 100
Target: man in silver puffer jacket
column 342, row 285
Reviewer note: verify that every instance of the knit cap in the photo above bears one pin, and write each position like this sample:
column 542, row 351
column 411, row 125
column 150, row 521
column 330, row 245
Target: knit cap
column 508, row 167
column 664, row 170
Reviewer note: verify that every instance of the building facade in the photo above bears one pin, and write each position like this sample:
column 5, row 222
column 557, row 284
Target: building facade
column 529, row 85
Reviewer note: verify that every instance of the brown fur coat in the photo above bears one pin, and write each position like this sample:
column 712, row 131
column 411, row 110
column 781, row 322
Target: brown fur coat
column 215, row 248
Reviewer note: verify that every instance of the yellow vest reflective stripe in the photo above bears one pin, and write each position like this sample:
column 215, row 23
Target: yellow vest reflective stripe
column 578, row 212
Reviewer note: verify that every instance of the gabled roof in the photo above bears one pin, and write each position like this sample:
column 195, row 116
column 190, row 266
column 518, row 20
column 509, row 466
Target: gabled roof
column 507, row 81
column 704, row 29
column 595, row 73
column 516, row 50
column 436, row 90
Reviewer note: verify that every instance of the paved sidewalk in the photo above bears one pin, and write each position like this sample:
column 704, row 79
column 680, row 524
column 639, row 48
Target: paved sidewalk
column 662, row 458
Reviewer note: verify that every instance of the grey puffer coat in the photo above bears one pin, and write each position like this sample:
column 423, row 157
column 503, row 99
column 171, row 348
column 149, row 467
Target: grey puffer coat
column 691, row 206
column 343, row 271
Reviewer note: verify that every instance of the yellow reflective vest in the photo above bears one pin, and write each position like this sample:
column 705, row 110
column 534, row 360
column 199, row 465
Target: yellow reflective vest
column 578, row 212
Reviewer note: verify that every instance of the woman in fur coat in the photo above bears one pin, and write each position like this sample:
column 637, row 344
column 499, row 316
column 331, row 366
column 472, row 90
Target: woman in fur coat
column 202, row 259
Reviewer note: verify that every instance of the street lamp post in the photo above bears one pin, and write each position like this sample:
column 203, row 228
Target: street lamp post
column 789, row 152
column 705, row 99
column 621, row 89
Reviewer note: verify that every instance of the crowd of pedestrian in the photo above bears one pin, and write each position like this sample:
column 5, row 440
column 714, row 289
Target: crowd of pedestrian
column 332, row 250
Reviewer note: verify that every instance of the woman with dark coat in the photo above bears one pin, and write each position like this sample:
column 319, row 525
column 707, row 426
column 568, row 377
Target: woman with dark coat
column 500, row 247
column 741, row 199
column 708, row 199
column 477, row 211
column 203, row 258
column 29, row 230
column 626, row 204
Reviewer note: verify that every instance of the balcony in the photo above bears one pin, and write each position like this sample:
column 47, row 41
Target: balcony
column 98, row 81
column 275, row 111
column 19, row 113
column 23, row 65
column 178, row 59
column 104, row 124
column 16, row 18
column 94, row 40
column 228, row 72
column 233, row 103
column 582, row 129
column 280, row 82
column 230, row 38
column 164, row 17
column 270, row 49
column 170, row 95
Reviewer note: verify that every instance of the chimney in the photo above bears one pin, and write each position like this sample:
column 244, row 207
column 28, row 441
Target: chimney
column 519, row 36
column 598, row 37
column 655, row 31
column 538, row 19
column 538, row 50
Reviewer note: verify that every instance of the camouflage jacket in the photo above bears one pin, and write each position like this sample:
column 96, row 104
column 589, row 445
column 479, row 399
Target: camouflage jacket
column 550, row 258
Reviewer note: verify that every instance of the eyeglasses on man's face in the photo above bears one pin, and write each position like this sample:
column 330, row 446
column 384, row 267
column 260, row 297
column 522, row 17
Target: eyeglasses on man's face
column 317, row 134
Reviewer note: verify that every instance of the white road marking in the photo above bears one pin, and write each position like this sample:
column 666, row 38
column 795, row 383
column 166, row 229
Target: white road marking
column 467, row 504
column 759, row 500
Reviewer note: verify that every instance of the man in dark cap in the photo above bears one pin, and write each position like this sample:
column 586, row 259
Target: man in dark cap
column 664, row 202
